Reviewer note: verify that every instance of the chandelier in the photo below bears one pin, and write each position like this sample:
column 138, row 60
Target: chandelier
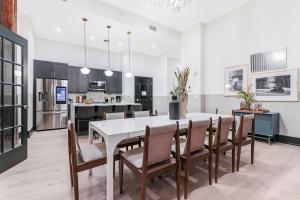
column 175, row 5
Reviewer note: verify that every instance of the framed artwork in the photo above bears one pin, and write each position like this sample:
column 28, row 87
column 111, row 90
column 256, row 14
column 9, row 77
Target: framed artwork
column 281, row 85
column 236, row 79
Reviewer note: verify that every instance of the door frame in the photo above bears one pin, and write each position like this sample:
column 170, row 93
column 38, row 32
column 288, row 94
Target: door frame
column 18, row 154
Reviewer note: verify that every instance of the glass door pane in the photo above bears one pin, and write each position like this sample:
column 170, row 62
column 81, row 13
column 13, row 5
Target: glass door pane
column 8, row 50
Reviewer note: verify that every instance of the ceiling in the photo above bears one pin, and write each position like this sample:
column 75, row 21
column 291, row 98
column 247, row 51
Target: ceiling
column 123, row 15
column 195, row 12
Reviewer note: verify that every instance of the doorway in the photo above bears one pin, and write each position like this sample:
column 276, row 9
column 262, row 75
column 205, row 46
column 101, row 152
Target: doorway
column 144, row 92
column 13, row 99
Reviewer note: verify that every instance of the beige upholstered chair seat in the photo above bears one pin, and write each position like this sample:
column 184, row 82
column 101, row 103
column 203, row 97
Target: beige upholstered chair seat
column 93, row 152
column 135, row 157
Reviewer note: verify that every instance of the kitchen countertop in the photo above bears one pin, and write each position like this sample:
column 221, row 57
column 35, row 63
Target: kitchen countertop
column 102, row 104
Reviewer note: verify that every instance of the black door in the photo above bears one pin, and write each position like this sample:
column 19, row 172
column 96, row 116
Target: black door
column 13, row 99
column 144, row 92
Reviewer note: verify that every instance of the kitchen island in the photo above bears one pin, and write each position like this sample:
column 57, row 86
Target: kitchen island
column 81, row 113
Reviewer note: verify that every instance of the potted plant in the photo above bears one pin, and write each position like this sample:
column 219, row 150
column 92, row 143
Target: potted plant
column 248, row 98
column 174, row 105
column 181, row 90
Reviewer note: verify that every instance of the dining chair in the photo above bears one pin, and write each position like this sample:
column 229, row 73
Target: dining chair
column 130, row 142
column 154, row 158
column 247, row 122
column 221, row 144
column 141, row 114
column 192, row 149
column 84, row 158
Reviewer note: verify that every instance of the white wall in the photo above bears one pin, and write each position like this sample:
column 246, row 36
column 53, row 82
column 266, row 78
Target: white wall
column 192, row 51
column 25, row 29
column 259, row 26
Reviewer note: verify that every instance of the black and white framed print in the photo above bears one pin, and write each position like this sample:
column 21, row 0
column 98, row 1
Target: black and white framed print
column 281, row 85
column 236, row 79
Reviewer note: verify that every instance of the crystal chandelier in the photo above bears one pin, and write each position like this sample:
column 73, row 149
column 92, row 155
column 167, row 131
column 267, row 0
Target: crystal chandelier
column 175, row 5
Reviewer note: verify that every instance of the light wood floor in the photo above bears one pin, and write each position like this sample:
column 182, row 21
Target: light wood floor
column 45, row 176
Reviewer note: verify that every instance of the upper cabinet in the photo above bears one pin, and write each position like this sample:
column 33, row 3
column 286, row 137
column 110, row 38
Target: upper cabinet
column 96, row 75
column 114, row 83
column 50, row 70
column 73, row 82
column 77, row 82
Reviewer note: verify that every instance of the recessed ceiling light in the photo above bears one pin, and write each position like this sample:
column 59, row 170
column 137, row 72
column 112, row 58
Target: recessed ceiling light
column 58, row 29
column 153, row 46
column 120, row 44
column 93, row 37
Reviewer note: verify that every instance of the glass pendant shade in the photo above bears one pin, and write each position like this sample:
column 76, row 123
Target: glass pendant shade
column 129, row 74
column 108, row 72
column 85, row 70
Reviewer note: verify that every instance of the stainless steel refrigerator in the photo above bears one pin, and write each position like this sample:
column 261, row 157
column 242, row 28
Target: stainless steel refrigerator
column 51, row 104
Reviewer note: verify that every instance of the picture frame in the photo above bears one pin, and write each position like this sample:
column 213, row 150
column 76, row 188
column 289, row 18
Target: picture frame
column 235, row 79
column 276, row 86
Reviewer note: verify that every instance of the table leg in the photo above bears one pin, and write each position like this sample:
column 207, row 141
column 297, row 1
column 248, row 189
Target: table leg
column 110, row 148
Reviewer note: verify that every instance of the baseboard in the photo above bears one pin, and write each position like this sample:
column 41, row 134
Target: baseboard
column 288, row 140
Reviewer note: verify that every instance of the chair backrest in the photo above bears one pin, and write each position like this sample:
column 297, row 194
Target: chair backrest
column 158, row 143
column 141, row 113
column 110, row 116
column 73, row 143
column 223, row 130
column 244, row 126
column 196, row 135
column 161, row 112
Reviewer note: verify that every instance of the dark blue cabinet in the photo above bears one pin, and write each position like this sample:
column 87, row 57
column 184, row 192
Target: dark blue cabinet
column 266, row 124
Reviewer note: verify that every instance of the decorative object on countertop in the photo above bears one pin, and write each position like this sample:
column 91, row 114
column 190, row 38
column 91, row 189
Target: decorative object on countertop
column 129, row 74
column 248, row 98
column 280, row 85
column 235, row 80
column 174, row 108
column 180, row 91
column 88, row 101
column 108, row 72
column 85, row 69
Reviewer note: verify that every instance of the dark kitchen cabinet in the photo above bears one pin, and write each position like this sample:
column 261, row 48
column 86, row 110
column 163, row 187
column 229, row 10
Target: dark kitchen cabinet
column 93, row 75
column 97, row 75
column 43, row 69
column 50, row 70
column 73, row 79
column 114, row 83
column 61, row 71
column 83, row 82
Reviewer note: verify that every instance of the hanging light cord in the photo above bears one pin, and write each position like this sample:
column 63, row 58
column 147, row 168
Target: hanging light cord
column 84, row 40
column 129, row 50
column 108, row 48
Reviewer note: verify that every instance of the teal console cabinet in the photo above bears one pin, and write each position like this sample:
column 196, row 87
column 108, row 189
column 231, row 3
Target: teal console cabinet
column 266, row 124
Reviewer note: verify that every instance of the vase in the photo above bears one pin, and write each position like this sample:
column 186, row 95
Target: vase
column 183, row 100
column 174, row 108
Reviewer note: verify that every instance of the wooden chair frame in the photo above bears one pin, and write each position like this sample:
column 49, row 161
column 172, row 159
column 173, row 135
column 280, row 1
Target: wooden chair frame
column 240, row 142
column 220, row 149
column 147, row 173
column 78, row 165
column 188, row 158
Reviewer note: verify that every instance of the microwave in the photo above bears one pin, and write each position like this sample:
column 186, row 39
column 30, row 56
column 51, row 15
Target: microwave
column 97, row 86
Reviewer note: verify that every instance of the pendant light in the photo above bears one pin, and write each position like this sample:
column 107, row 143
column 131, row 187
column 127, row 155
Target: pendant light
column 129, row 74
column 108, row 72
column 85, row 69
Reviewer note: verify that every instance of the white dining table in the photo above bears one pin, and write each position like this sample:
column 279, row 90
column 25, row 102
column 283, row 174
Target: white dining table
column 114, row 131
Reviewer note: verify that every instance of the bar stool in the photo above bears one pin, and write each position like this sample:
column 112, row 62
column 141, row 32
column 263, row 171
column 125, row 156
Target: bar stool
column 83, row 114
column 100, row 110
